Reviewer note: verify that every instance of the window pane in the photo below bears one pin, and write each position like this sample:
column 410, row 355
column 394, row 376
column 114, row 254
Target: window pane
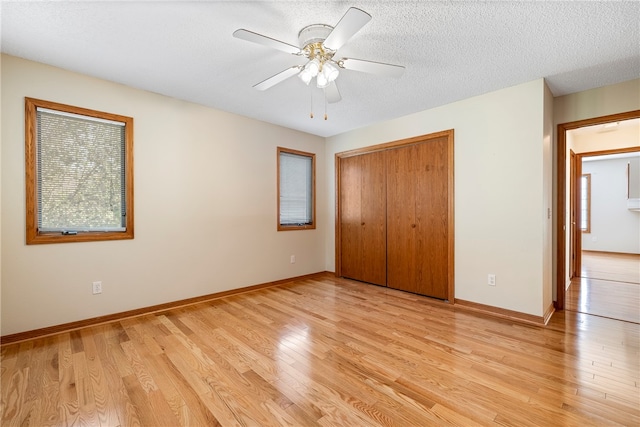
column 296, row 189
column 80, row 170
column 585, row 190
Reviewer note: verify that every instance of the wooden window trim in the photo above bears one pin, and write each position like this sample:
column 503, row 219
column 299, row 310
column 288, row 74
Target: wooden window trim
column 33, row 235
column 311, row 226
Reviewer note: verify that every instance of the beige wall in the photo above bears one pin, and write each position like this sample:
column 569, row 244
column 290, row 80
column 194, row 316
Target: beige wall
column 205, row 207
column 500, row 194
column 597, row 102
column 603, row 101
column 547, row 212
column 624, row 137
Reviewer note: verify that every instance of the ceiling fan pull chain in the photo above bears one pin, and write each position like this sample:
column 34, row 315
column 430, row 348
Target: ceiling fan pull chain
column 311, row 99
column 325, row 103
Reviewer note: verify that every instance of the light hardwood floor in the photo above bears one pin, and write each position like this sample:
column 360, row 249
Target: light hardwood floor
column 611, row 266
column 326, row 352
column 609, row 286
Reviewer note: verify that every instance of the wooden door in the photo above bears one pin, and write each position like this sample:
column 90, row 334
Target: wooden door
column 363, row 218
column 418, row 254
column 576, row 229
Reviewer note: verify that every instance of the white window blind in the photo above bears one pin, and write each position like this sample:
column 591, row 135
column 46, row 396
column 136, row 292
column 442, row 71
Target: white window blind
column 80, row 173
column 296, row 189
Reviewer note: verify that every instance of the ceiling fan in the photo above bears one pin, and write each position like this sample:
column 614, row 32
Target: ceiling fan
column 319, row 44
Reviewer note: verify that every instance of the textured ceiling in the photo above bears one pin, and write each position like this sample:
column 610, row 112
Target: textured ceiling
column 451, row 50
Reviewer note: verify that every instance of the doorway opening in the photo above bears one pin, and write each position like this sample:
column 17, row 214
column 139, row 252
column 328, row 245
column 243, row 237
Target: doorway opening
column 581, row 146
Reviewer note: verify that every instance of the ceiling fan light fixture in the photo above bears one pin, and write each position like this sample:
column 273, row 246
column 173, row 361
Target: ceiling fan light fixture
column 331, row 71
column 321, row 80
column 309, row 71
column 305, row 76
column 313, row 66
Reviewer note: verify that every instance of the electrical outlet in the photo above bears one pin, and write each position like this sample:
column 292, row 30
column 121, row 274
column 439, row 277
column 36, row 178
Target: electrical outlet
column 97, row 288
column 293, row 259
column 491, row 280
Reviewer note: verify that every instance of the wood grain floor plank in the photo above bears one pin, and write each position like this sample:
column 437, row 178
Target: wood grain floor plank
column 68, row 405
column 356, row 391
column 201, row 414
column 140, row 401
column 170, row 399
column 224, row 377
column 107, row 347
column 102, row 399
column 87, row 409
column 46, row 392
column 24, row 389
column 216, row 394
column 13, row 393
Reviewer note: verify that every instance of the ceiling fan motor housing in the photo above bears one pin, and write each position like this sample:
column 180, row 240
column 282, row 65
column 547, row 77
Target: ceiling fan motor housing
column 315, row 33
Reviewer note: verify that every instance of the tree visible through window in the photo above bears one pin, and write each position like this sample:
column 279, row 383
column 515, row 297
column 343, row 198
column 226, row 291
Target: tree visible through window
column 296, row 189
column 79, row 174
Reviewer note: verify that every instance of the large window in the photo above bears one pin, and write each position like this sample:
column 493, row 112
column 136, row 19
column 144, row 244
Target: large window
column 79, row 167
column 585, row 203
column 296, row 189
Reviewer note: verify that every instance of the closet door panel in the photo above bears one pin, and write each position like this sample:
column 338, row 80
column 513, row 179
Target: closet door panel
column 432, row 218
column 401, row 219
column 350, row 217
column 363, row 219
column 373, row 218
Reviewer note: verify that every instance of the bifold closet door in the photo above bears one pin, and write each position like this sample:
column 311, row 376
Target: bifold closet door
column 363, row 218
column 417, row 218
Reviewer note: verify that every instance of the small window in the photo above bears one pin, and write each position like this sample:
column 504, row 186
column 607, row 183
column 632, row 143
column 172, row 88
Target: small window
column 296, row 190
column 79, row 166
column 585, row 203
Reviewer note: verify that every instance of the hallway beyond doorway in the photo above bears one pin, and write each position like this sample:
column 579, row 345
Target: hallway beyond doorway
column 609, row 286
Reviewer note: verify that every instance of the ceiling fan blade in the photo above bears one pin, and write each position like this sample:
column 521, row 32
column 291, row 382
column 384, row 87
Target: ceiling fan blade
column 379, row 68
column 349, row 24
column 266, row 41
column 332, row 93
column 280, row 77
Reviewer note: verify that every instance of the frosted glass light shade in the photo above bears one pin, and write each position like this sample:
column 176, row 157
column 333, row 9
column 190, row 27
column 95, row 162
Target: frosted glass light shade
column 321, row 80
column 331, row 71
column 305, row 76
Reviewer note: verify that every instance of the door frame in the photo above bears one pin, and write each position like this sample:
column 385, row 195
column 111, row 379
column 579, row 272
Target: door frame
column 449, row 134
column 561, row 194
column 574, row 197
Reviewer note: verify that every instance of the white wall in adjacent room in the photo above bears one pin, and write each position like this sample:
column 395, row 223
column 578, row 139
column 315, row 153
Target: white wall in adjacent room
column 614, row 228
